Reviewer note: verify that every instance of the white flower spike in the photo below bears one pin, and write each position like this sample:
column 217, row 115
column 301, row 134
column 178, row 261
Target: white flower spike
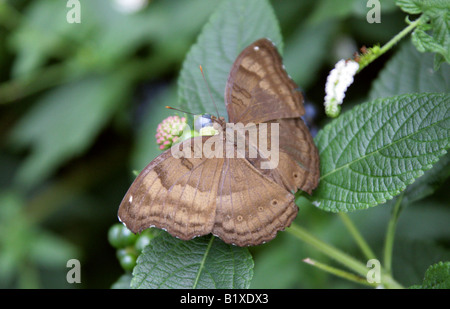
column 129, row 6
column 339, row 79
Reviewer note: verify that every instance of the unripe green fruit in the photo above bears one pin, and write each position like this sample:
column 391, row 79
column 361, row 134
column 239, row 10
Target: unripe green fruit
column 119, row 236
column 127, row 258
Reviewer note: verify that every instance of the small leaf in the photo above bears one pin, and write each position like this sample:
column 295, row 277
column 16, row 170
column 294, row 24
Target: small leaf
column 123, row 282
column 436, row 277
column 233, row 26
column 409, row 6
column 433, row 35
column 204, row 262
column 371, row 153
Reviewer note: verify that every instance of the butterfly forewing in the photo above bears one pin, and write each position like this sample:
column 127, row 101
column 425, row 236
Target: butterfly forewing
column 260, row 91
column 258, row 87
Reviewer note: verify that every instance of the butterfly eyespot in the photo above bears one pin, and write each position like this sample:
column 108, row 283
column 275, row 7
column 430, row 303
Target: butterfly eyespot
column 295, row 175
column 274, row 202
column 239, row 218
column 260, row 208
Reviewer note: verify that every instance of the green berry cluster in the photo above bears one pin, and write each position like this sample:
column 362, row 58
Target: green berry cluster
column 128, row 244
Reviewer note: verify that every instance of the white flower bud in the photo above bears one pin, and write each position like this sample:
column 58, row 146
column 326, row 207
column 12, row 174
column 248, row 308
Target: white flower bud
column 339, row 79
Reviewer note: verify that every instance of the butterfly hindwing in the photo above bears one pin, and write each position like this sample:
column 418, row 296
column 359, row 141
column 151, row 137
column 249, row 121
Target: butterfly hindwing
column 175, row 194
column 251, row 209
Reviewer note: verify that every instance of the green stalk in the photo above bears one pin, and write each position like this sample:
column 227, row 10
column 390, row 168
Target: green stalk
column 339, row 272
column 390, row 234
column 34, row 82
column 339, row 256
column 331, row 251
column 357, row 236
column 369, row 58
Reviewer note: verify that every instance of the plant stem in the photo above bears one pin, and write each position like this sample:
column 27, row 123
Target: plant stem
column 339, row 256
column 332, row 252
column 34, row 82
column 390, row 233
column 339, row 272
column 391, row 42
column 357, row 236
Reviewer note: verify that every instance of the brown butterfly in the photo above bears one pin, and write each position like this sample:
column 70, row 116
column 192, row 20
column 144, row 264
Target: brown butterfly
column 232, row 198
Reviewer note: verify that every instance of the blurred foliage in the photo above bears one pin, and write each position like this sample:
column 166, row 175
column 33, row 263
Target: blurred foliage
column 79, row 107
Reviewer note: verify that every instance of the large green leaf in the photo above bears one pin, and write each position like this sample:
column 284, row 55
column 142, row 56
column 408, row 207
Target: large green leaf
column 203, row 263
column 410, row 71
column 234, row 25
column 371, row 153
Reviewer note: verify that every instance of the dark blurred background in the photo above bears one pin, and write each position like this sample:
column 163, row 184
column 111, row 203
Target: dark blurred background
column 79, row 105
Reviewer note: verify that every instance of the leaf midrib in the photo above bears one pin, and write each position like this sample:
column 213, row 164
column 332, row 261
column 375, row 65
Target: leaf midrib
column 202, row 263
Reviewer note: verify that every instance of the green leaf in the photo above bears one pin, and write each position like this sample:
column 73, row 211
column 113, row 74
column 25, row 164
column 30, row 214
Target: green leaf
column 409, row 6
column 434, row 35
column 436, row 277
column 371, row 153
column 64, row 123
column 329, row 9
column 234, row 25
column 23, row 243
column 202, row 263
column 410, row 72
column 123, row 282
column 306, row 51
column 427, row 184
column 419, row 6
column 93, row 42
column 42, row 31
column 412, row 256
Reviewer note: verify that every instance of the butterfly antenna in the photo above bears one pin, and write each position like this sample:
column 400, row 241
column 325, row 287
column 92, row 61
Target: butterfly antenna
column 176, row 109
column 209, row 91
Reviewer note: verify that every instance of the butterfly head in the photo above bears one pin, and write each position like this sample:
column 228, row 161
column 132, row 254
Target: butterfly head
column 207, row 120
